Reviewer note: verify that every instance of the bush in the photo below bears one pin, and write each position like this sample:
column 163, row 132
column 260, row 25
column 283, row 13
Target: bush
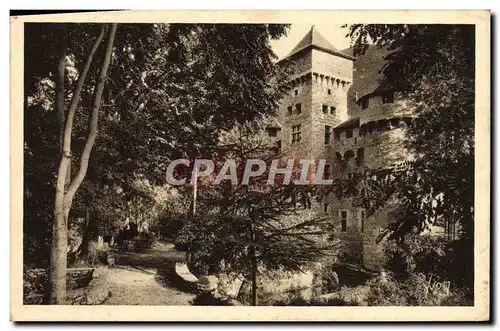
column 411, row 291
column 431, row 255
column 207, row 299
column 419, row 253
column 329, row 280
column 435, row 257
column 293, row 298
column 352, row 296
column 459, row 297
column 385, row 290
column 171, row 227
column 35, row 251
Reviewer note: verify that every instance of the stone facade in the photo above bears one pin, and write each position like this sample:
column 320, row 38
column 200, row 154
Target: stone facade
column 354, row 131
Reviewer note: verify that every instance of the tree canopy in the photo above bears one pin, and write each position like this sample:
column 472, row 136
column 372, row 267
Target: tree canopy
column 171, row 88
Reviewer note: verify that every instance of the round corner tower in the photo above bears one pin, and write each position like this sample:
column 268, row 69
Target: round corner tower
column 372, row 137
column 382, row 134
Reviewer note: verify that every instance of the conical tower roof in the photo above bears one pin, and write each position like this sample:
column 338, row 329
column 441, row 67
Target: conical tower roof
column 314, row 39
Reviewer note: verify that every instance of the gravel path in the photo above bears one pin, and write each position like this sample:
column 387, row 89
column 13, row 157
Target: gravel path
column 136, row 279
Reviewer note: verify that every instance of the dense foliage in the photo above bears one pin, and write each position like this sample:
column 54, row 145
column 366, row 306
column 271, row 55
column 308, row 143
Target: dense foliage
column 168, row 92
column 433, row 66
column 171, row 88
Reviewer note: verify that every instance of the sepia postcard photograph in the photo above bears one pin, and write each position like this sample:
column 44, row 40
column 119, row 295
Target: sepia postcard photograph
column 250, row 166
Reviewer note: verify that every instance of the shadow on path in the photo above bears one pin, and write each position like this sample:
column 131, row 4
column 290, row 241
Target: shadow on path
column 148, row 278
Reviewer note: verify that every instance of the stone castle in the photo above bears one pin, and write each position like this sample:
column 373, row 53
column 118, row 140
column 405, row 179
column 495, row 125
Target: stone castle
column 336, row 109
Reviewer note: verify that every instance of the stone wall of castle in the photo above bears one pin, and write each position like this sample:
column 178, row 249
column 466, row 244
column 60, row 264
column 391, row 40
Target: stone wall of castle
column 371, row 150
column 372, row 145
column 329, row 108
column 377, row 110
column 351, row 237
column 332, row 65
column 385, row 148
column 299, row 94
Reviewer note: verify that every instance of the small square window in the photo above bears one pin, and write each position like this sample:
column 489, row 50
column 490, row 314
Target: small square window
column 365, row 103
column 362, row 221
column 325, row 109
column 332, row 110
column 296, row 133
column 388, row 97
column 327, row 134
column 298, row 108
column 343, row 220
column 329, row 91
column 272, row 132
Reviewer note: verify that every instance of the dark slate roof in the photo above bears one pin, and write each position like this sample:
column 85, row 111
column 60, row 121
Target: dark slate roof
column 350, row 123
column 314, row 39
column 367, row 75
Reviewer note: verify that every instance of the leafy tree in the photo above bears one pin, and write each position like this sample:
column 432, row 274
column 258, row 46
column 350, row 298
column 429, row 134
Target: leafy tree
column 65, row 190
column 199, row 80
column 170, row 88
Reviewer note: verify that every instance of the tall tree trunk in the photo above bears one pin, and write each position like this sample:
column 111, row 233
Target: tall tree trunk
column 57, row 237
column 58, row 261
column 254, row 268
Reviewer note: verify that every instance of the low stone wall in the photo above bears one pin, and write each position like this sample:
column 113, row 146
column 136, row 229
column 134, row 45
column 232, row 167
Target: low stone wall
column 211, row 290
column 179, row 276
column 84, row 286
column 221, row 286
column 95, row 293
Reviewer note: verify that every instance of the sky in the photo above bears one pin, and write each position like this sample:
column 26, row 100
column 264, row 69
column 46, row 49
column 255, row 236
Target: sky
column 332, row 32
